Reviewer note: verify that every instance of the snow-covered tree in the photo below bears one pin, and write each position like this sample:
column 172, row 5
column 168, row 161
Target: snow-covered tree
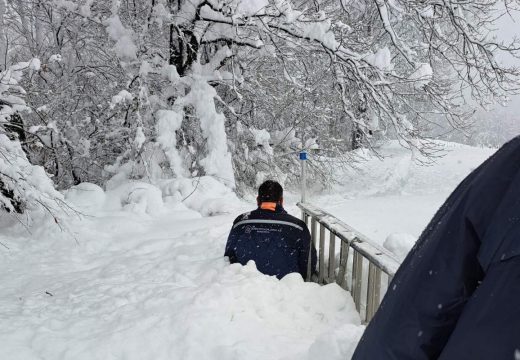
column 175, row 88
column 22, row 185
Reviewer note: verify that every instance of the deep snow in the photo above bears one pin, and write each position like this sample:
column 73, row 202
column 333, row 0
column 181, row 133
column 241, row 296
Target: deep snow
column 142, row 276
column 135, row 285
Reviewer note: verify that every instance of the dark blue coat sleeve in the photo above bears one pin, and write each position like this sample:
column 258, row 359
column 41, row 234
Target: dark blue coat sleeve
column 428, row 293
column 431, row 288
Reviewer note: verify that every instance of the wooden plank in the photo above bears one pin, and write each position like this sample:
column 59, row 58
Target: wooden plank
column 314, row 223
column 321, row 271
column 332, row 258
column 357, row 279
column 313, row 240
column 370, row 291
column 377, row 290
column 343, row 261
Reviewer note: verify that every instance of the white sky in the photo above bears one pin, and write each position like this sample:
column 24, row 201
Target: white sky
column 508, row 28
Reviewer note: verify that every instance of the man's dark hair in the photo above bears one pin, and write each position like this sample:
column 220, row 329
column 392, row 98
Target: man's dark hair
column 270, row 191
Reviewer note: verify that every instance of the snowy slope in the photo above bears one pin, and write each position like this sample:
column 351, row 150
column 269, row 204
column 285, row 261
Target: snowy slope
column 137, row 286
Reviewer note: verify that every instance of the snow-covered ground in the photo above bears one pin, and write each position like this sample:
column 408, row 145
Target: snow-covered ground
column 392, row 200
column 135, row 285
column 141, row 276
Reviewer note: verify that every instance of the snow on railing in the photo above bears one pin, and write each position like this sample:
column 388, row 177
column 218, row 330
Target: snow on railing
column 362, row 267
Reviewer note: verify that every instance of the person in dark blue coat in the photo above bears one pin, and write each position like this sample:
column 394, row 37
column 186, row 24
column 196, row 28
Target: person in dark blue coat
column 457, row 294
column 278, row 242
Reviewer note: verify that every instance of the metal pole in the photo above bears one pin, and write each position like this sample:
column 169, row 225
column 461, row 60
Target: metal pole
column 303, row 160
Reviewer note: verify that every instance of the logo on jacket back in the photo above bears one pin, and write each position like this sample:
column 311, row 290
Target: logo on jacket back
column 261, row 230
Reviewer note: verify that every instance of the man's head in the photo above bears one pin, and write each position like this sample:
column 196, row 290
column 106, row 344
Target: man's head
column 270, row 191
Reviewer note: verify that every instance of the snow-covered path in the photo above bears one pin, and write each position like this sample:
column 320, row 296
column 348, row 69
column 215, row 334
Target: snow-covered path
column 143, row 287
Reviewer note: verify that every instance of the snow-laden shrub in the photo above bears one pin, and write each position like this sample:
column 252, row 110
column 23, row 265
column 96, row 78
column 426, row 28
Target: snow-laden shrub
column 151, row 165
column 254, row 157
column 23, row 186
column 205, row 195
column 26, row 182
column 136, row 196
column 86, row 197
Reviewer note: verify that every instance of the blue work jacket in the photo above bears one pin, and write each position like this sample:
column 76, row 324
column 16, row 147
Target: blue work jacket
column 456, row 296
column 278, row 242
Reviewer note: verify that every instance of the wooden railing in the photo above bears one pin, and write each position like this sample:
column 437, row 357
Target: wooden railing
column 350, row 259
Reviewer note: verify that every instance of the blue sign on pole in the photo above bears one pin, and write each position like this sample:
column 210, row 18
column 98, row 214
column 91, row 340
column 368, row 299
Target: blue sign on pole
column 303, row 155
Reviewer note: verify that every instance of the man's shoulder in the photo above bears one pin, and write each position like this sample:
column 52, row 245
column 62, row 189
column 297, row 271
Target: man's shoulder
column 257, row 215
column 292, row 219
column 244, row 216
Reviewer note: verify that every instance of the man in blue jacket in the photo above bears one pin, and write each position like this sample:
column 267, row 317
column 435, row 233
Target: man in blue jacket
column 278, row 242
column 457, row 294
